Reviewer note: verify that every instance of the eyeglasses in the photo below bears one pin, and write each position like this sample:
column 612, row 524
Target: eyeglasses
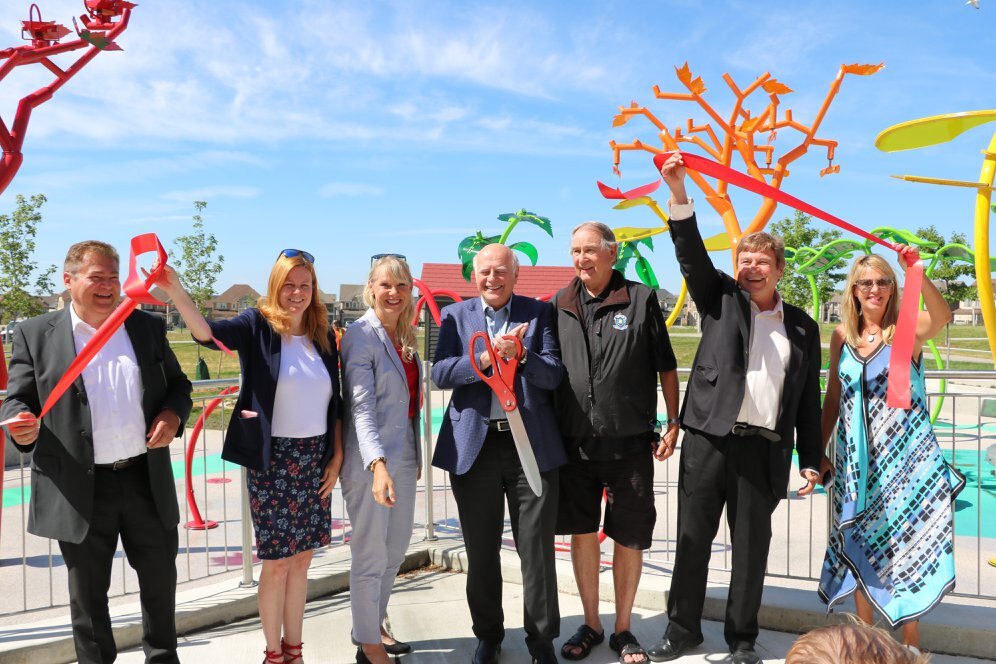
column 865, row 285
column 293, row 253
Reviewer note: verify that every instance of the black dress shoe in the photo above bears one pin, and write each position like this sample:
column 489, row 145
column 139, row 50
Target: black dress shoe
column 668, row 649
column 396, row 648
column 487, row 652
column 745, row 656
column 545, row 657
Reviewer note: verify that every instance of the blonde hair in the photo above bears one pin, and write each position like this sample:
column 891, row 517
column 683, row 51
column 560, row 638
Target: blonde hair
column 850, row 309
column 397, row 270
column 851, row 643
column 315, row 319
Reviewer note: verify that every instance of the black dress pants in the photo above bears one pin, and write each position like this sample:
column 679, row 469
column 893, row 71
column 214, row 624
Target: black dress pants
column 123, row 506
column 481, row 493
column 714, row 471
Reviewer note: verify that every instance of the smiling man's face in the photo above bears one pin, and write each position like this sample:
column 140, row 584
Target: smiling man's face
column 95, row 287
column 758, row 274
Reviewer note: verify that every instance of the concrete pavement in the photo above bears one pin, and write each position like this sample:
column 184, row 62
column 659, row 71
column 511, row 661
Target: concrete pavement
column 428, row 610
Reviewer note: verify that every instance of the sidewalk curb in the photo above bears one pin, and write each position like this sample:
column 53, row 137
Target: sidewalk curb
column 949, row 629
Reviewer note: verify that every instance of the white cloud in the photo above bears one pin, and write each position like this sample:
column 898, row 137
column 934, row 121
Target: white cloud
column 349, row 189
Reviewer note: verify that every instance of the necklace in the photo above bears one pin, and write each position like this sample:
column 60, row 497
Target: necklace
column 871, row 335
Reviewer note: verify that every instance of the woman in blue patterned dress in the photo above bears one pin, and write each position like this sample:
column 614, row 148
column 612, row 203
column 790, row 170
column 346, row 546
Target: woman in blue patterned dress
column 286, row 429
column 892, row 540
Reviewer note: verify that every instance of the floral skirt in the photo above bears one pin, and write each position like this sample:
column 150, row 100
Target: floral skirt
column 287, row 514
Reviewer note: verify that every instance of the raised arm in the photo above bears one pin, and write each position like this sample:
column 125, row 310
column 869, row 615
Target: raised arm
column 169, row 281
column 703, row 281
column 936, row 314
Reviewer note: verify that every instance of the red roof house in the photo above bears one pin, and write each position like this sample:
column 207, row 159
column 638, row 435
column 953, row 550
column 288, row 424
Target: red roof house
column 533, row 281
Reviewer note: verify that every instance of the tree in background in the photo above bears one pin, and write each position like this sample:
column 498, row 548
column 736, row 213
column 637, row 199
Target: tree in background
column 951, row 272
column 798, row 232
column 19, row 295
column 195, row 261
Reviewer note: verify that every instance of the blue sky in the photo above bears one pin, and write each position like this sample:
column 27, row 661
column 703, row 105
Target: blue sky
column 349, row 129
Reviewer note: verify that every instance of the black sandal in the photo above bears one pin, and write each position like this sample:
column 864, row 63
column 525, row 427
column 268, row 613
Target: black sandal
column 585, row 638
column 625, row 644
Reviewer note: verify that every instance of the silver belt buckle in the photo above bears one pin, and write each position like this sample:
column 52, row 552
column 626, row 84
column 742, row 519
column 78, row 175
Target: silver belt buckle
column 738, row 429
column 502, row 425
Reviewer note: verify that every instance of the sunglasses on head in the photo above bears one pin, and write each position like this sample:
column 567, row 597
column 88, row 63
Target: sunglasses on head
column 294, row 253
column 865, row 285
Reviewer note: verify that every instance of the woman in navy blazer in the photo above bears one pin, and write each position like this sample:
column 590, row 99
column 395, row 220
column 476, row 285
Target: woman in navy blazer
column 382, row 380
column 288, row 407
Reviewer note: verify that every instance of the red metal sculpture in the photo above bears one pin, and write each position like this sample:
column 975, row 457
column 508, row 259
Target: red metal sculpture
column 103, row 22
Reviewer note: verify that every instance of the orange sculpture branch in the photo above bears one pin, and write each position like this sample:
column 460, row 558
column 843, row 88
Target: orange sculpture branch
column 736, row 136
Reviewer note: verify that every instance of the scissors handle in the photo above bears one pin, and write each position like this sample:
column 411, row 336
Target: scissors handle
column 502, row 378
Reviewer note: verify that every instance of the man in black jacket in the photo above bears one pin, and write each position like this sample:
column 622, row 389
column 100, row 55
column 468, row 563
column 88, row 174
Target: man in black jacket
column 615, row 346
column 753, row 394
column 101, row 464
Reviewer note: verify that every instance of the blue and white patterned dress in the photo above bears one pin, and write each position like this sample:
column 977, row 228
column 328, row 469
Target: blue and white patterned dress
column 893, row 501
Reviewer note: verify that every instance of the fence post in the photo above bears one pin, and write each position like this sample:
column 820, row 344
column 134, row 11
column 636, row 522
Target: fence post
column 430, row 525
column 247, row 580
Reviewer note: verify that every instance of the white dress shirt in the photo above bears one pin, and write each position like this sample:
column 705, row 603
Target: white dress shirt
column 767, row 361
column 497, row 322
column 113, row 382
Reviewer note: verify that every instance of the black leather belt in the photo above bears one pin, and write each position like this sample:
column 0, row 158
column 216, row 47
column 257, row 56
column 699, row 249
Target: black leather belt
column 120, row 464
column 499, row 425
column 749, row 430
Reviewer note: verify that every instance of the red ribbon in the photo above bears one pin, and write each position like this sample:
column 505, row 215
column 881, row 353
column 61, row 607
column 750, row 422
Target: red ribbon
column 898, row 392
column 136, row 292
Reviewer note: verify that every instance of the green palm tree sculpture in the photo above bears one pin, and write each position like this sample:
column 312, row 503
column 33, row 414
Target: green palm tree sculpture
column 472, row 244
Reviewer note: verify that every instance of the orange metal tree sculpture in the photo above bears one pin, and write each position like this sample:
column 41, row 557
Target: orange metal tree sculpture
column 722, row 139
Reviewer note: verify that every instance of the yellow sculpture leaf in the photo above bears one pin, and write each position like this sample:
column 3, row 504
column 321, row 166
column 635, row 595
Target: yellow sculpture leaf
column 863, row 70
column 775, row 87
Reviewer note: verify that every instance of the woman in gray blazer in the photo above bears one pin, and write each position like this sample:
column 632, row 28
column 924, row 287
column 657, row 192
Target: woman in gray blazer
column 382, row 378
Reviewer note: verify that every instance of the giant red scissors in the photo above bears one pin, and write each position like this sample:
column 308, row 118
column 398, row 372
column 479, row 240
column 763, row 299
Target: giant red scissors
column 502, row 381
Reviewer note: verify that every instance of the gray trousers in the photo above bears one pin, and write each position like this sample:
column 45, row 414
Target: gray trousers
column 378, row 543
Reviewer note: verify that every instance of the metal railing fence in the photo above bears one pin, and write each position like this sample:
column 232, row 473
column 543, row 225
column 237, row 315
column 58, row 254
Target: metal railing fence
column 33, row 574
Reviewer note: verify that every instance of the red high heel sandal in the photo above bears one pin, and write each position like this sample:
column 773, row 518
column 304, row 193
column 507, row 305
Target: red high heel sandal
column 272, row 657
column 292, row 653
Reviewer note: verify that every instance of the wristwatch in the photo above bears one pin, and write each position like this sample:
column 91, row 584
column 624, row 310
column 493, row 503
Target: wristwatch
column 373, row 463
column 525, row 356
column 672, row 420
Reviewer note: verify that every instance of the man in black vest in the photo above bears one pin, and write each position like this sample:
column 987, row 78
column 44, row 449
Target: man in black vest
column 754, row 393
column 615, row 347
column 101, row 464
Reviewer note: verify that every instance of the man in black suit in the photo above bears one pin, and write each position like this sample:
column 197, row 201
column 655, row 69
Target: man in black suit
column 101, row 463
column 754, row 393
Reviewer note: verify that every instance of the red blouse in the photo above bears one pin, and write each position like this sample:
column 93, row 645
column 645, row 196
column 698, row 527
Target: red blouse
column 411, row 373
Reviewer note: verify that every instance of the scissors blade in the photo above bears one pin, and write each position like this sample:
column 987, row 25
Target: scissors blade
column 525, row 450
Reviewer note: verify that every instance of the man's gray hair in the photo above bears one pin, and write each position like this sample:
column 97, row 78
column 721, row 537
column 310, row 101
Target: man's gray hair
column 515, row 258
column 608, row 237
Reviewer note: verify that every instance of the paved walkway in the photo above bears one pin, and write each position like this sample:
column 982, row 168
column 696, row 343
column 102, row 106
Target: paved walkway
column 429, row 611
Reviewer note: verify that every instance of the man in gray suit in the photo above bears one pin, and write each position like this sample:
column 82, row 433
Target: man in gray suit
column 101, row 463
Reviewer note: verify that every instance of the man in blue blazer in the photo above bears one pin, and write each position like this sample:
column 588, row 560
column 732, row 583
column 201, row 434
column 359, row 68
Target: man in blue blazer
column 476, row 447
